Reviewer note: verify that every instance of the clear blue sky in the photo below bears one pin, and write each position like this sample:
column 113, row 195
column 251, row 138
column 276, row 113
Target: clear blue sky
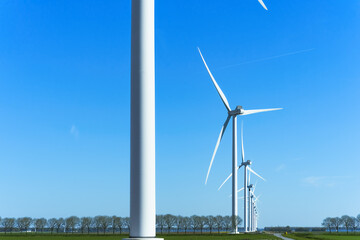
column 65, row 106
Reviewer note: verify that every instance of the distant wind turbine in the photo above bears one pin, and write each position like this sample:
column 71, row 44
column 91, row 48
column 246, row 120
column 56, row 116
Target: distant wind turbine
column 247, row 184
column 232, row 114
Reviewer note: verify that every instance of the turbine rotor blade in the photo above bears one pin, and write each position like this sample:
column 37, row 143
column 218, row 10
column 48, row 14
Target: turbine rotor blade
column 217, row 145
column 248, row 112
column 262, row 4
column 225, row 181
column 221, row 94
column 240, row 189
column 237, row 191
column 253, row 191
column 255, row 173
column 228, row 178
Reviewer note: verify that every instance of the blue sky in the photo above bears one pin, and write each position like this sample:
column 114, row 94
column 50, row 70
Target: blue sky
column 65, row 106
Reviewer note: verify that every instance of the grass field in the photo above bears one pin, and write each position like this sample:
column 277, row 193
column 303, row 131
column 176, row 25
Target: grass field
column 324, row 236
column 15, row 236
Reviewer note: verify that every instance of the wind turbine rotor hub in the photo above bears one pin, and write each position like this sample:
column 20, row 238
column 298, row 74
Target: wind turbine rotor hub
column 248, row 162
column 237, row 111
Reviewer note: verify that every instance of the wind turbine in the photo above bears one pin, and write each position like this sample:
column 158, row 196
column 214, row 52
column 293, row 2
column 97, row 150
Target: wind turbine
column 251, row 202
column 247, row 185
column 254, row 211
column 252, row 207
column 233, row 114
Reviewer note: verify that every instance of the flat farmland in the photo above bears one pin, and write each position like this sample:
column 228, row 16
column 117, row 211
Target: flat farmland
column 30, row 236
column 324, row 236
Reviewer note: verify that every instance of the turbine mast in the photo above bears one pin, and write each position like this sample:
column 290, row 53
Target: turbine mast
column 234, row 179
column 249, row 217
column 245, row 198
column 142, row 170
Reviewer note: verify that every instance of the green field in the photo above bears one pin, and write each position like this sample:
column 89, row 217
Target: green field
column 15, row 236
column 324, row 236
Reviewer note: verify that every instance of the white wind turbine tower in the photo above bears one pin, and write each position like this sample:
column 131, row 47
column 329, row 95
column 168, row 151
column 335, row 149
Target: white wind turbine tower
column 247, row 208
column 254, row 210
column 233, row 114
column 142, row 170
column 251, row 202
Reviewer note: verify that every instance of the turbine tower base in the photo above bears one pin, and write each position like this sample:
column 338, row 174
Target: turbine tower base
column 143, row 238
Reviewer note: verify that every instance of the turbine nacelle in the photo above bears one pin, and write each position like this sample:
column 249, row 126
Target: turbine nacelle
column 247, row 163
column 237, row 111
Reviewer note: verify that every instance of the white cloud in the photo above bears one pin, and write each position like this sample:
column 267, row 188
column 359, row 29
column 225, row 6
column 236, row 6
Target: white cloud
column 324, row 181
column 74, row 131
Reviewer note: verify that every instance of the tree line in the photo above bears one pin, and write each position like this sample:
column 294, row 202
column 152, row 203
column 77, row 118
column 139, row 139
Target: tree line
column 346, row 222
column 103, row 224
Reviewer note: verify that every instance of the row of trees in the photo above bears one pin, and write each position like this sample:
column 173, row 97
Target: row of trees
column 345, row 221
column 168, row 222
column 196, row 223
column 71, row 224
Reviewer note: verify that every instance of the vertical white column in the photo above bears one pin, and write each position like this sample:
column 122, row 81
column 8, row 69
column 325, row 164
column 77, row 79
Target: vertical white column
column 252, row 214
column 234, row 174
column 249, row 209
column 252, row 217
column 245, row 198
column 142, row 179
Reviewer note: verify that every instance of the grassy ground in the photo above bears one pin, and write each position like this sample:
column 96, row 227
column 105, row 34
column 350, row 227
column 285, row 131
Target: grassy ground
column 30, row 236
column 324, row 236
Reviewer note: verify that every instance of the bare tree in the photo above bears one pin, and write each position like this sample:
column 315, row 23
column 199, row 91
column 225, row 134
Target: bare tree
column 219, row 221
column 210, row 221
column 178, row 222
column 358, row 221
column 71, row 223
column 8, row 224
column 39, row 224
column 120, row 223
column 194, row 223
column 160, row 222
column 97, row 222
column 85, row 223
column 227, row 222
column 202, row 223
column 60, row 222
column 113, row 223
column 353, row 223
column 23, row 223
column 105, row 222
column 235, row 221
column 346, row 221
column 169, row 221
column 327, row 222
column 186, row 224
column 52, row 224
column 126, row 221
column 88, row 221
column 337, row 223
column 198, row 223
column 117, row 222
